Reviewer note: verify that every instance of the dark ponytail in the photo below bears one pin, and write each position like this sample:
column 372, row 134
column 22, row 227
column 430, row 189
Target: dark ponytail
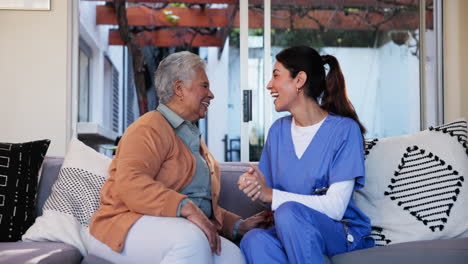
column 329, row 87
column 335, row 98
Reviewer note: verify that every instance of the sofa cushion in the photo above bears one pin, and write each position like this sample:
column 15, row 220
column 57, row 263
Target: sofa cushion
column 74, row 198
column 19, row 168
column 38, row 252
column 453, row 251
column 50, row 171
column 230, row 197
column 415, row 188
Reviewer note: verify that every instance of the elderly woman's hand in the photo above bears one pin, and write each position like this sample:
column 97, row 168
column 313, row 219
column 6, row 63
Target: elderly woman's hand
column 253, row 184
column 196, row 216
column 263, row 220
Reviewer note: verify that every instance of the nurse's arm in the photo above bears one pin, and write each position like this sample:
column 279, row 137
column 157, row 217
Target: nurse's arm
column 333, row 203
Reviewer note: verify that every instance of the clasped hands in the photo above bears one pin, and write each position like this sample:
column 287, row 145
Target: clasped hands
column 253, row 184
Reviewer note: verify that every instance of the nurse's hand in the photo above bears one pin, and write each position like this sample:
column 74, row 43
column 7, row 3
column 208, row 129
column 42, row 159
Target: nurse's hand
column 253, row 184
column 262, row 220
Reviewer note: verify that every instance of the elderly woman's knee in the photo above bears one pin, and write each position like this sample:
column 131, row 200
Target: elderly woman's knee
column 193, row 236
column 191, row 245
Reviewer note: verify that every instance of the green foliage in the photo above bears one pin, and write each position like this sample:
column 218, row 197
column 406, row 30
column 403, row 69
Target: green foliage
column 171, row 17
column 178, row 5
column 350, row 9
column 255, row 151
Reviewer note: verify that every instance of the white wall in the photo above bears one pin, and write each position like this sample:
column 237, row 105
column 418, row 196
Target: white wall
column 234, row 100
column 383, row 85
column 33, row 75
column 217, row 71
column 456, row 59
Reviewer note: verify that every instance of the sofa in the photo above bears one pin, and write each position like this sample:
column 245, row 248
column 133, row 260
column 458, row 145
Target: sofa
column 428, row 252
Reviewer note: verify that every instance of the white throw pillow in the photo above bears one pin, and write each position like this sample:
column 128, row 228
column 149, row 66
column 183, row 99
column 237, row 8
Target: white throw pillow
column 73, row 199
column 415, row 188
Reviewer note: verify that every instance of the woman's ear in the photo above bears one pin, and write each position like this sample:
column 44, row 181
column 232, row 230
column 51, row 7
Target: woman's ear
column 301, row 79
column 178, row 91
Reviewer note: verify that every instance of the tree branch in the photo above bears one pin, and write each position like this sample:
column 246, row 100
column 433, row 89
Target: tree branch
column 138, row 59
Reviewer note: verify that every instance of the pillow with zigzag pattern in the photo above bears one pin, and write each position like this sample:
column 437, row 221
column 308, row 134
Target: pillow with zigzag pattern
column 415, row 185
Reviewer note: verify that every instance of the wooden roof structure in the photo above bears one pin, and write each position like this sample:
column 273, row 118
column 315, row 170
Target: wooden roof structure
column 200, row 23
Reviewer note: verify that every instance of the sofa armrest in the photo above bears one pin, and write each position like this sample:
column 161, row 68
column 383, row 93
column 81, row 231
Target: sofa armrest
column 231, row 198
column 38, row 252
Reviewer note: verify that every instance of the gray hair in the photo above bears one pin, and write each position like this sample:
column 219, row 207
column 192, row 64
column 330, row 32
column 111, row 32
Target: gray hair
column 177, row 66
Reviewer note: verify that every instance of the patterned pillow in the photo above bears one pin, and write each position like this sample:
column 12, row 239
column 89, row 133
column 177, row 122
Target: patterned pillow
column 415, row 187
column 19, row 169
column 74, row 198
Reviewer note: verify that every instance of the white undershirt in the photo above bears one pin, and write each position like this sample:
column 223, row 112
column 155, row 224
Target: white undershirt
column 335, row 201
column 302, row 136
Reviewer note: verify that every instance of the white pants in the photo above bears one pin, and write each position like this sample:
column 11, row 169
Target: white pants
column 171, row 240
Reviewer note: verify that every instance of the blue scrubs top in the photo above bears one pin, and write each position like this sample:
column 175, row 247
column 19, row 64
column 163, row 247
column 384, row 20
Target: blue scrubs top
column 335, row 154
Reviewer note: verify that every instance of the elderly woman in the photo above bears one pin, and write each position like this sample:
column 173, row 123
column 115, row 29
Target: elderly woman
column 160, row 203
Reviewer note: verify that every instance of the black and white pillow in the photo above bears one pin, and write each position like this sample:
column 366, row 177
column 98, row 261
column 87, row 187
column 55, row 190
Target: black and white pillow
column 415, row 185
column 74, row 198
column 19, row 169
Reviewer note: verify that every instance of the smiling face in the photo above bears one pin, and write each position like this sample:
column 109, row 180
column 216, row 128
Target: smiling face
column 196, row 96
column 283, row 87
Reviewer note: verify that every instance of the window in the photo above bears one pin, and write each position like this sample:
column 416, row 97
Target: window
column 378, row 44
column 111, row 96
column 84, row 84
column 101, row 82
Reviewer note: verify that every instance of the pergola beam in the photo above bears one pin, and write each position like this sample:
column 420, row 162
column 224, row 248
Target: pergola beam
column 170, row 38
column 145, row 16
column 219, row 18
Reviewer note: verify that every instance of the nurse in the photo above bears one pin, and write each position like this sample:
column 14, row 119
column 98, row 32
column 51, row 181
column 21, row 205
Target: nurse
column 312, row 162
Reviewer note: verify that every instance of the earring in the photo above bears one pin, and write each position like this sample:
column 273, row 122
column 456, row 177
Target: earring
column 298, row 90
column 181, row 98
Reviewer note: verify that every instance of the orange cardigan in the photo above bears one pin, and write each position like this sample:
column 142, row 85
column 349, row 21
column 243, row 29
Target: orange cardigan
column 151, row 166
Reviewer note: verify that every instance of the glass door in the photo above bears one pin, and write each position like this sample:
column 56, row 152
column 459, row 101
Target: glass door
column 378, row 44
